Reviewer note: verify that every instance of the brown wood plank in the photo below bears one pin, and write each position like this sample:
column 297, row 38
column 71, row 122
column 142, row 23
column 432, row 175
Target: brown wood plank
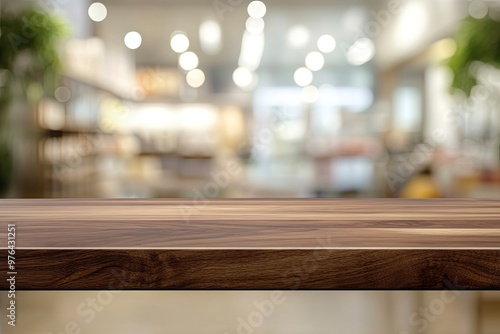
column 257, row 269
column 254, row 244
column 253, row 223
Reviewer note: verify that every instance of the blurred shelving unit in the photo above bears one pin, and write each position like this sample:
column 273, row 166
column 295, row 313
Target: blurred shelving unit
column 73, row 139
column 94, row 141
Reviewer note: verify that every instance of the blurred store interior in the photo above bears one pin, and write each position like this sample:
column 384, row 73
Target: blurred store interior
column 233, row 98
column 256, row 312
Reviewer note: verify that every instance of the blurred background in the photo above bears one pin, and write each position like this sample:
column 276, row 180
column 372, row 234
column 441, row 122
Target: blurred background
column 233, row 98
column 256, row 312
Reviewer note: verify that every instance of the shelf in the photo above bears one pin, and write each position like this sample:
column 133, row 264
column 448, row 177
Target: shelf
column 71, row 131
column 255, row 244
column 157, row 154
column 98, row 86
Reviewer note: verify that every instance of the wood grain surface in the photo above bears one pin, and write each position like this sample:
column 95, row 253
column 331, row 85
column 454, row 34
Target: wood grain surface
column 254, row 244
column 253, row 223
column 257, row 269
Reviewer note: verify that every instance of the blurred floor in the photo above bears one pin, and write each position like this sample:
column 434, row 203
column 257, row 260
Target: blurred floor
column 246, row 312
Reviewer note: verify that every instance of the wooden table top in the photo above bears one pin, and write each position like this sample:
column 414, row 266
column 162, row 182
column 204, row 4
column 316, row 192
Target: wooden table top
column 287, row 224
column 254, row 243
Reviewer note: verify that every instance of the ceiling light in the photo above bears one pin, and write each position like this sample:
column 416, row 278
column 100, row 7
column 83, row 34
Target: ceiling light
column 297, row 37
column 97, row 12
column 195, row 78
column 255, row 26
column 133, row 40
column 256, row 9
column 244, row 78
column 326, row 44
column 252, row 48
column 210, row 37
column 315, row 61
column 188, row 61
column 179, row 42
column 411, row 24
column 361, row 52
column 303, row 76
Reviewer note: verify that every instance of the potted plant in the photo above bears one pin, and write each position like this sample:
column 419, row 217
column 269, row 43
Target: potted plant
column 476, row 72
column 28, row 58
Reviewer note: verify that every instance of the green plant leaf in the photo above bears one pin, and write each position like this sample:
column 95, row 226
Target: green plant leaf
column 478, row 40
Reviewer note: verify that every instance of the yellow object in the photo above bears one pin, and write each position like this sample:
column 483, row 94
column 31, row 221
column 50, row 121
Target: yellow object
column 421, row 186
